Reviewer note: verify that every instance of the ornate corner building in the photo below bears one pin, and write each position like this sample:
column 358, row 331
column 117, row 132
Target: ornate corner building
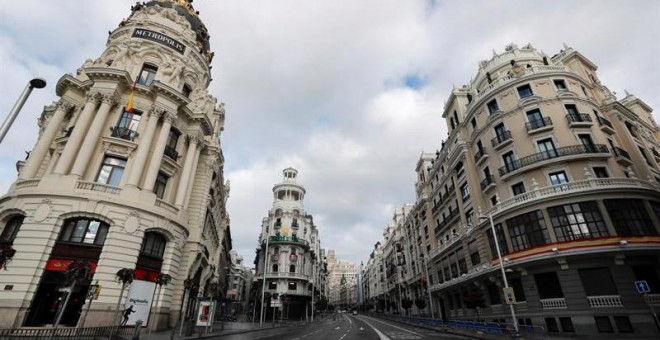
column 289, row 255
column 127, row 172
column 570, row 176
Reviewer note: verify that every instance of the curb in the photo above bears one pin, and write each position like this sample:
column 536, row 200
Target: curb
column 232, row 332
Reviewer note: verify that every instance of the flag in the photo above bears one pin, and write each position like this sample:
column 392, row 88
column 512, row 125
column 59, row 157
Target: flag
column 131, row 98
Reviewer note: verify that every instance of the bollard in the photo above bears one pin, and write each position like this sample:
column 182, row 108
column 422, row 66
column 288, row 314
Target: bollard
column 136, row 331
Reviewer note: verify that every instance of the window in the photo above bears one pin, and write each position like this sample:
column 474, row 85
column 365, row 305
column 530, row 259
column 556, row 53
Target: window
column 493, row 200
column 587, row 142
column 518, row 188
column 272, row 284
column 186, row 90
column 566, row 325
column 603, row 324
column 601, row 172
column 551, row 323
column 170, row 147
column 535, row 119
column 623, row 324
column 494, row 295
column 292, row 268
column 525, row 91
column 560, row 84
column 111, row 171
column 462, row 265
column 597, row 281
column 577, row 221
column 501, row 133
column 518, row 289
column 629, row 217
column 547, row 148
column 147, row 74
column 92, row 232
column 510, row 161
column 11, row 229
column 558, row 177
column 465, row 191
column 504, row 249
column 473, row 122
column 527, row 230
column 643, row 152
column 276, row 268
column 571, row 109
column 161, row 184
column 128, row 125
column 474, row 253
column 492, row 106
column 153, row 245
column 293, row 285
column 632, row 129
column 548, row 285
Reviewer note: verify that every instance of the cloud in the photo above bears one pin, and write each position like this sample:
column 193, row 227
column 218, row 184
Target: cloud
column 348, row 92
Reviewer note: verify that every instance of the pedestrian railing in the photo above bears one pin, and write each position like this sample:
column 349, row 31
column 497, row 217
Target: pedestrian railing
column 90, row 333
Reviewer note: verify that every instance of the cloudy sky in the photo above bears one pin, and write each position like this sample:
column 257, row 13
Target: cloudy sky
column 348, row 92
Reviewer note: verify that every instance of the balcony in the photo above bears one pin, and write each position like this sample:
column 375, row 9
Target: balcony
column 572, row 150
column 539, row 125
column 480, row 156
column 578, row 119
column 622, row 156
column 488, row 183
column 288, row 239
column 502, row 139
column 297, row 276
column 124, row 133
column 605, row 125
column 171, row 153
column 652, row 299
column 558, row 303
column 605, row 301
column 98, row 187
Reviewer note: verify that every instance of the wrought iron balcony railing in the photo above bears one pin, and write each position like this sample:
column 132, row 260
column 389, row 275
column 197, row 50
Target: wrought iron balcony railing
column 545, row 155
column 487, row 181
column 171, row 153
column 538, row 123
column 578, row 118
column 501, row 138
column 124, row 133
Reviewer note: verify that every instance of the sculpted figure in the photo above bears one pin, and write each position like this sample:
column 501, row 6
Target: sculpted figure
column 172, row 73
column 124, row 57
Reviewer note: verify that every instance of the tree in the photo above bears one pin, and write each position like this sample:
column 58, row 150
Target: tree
column 161, row 280
column 420, row 303
column 406, row 303
column 125, row 276
column 7, row 252
column 77, row 272
column 321, row 304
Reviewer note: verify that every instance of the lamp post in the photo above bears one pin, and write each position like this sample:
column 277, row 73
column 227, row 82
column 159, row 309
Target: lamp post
column 501, row 261
column 263, row 284
column 428, row 287
column 36, row 83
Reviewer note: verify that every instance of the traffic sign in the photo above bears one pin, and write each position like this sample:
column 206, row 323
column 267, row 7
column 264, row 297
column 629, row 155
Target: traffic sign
column 642, row 287
column 509, row 296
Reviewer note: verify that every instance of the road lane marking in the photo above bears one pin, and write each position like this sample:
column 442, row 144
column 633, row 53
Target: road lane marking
column 403, row 329
column 380, row 334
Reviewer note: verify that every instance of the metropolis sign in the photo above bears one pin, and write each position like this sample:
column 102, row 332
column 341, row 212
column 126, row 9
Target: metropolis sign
column 159, row 38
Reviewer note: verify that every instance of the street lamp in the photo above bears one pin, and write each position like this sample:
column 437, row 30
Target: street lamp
column 501, row 261
column 36, row 83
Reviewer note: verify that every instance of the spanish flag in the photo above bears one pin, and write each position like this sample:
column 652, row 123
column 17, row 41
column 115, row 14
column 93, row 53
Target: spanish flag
column 131, row 98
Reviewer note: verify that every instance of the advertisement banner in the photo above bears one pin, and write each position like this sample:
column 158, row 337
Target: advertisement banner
column 204, row 314
column 138, row 302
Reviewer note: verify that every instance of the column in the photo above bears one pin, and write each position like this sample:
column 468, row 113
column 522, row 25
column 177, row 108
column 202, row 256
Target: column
column 157, row 156
column 43, row 144
column 93, row 134
column 187, row 168
column 140, row 159
column 79, row 131
column 186, row 201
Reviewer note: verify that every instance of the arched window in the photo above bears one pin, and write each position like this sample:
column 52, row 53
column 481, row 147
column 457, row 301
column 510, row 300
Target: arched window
column 293, row 251
column 276, row 251
column 11, row 229
column 292, row 268
column 153, row 245
column 83, row 230
column 276, row 268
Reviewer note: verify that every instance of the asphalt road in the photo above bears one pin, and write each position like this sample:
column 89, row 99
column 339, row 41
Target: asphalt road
column 345, row 327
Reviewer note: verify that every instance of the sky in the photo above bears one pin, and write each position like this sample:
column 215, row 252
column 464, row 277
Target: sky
column 348, row 92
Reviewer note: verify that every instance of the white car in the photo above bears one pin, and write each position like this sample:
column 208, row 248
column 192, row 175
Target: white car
column 355, row 312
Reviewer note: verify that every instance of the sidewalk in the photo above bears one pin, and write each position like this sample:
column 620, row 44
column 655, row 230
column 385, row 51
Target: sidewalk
column 229, row 328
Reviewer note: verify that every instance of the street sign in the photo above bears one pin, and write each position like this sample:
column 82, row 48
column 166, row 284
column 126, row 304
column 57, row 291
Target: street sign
column 642, row 287
column 509, row 296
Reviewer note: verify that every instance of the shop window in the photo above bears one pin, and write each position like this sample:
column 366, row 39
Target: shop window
column 527, row 230
column 577, row 221
column 623, row 324
column 85, row 231
column 551, row 324
column 518, row 289
column 629, row 217
column 548, row 285
column 603, row 324
column 597, row 281
column 11, row 229
column 567, row 325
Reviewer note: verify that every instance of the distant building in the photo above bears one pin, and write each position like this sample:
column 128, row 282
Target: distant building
column 338, row 269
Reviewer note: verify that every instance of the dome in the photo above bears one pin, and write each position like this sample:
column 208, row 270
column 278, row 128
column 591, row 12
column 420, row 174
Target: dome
column 185, row 9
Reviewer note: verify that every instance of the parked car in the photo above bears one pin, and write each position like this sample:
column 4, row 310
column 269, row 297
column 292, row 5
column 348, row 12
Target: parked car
column 355, row 312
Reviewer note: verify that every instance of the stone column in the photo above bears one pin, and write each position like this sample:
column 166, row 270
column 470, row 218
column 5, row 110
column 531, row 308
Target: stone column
column 79, row 131
column 140, row 159
column 187, row 169
column 43, row 144
column 93, row 134
column 191, row 180
column 157, row 156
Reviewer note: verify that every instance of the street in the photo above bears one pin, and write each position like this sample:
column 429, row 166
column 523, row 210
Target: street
column 345, row 327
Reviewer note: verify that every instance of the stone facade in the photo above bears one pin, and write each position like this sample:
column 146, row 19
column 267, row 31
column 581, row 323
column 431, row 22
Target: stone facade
column 141, row 190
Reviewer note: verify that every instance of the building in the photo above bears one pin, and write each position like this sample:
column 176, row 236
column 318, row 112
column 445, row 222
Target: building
column 127, row 173
column 338, row 269
column 241, row 282
column 289, row 253
column 568, row 174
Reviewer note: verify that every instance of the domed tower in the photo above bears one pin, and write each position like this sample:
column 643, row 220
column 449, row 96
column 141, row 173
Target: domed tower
column 127, row 173
column 289, row 249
